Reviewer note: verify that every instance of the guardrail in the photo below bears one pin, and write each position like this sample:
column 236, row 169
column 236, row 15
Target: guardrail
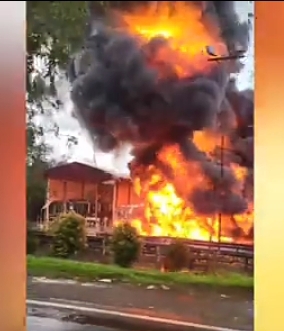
column 155, row 248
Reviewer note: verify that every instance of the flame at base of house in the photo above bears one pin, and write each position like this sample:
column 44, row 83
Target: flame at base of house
column 109, row 200
column 222, row 228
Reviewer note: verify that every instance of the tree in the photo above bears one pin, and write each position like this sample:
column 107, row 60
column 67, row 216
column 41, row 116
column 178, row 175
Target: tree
column 125, row 245
column 54, row 32
column 69, row 235
column 37, row 162
column 177, row 257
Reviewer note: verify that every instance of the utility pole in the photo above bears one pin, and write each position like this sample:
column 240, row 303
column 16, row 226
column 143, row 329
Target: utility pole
column 214, row 57
column 221, row 174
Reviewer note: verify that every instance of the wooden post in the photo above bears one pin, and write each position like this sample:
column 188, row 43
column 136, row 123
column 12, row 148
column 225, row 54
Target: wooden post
column 158, row 256
column 222, row 175
column 104, row 245
column 46, row 211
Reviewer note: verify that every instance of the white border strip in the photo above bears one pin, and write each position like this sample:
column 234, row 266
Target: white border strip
column 113, row 313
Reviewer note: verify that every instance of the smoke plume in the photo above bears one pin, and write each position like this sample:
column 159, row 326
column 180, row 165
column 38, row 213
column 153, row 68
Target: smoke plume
column 124, row 91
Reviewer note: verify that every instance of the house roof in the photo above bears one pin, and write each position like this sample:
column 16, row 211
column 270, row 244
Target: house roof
column 78, row 172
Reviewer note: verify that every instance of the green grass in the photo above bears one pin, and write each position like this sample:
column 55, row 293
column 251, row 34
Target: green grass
column 68, row 269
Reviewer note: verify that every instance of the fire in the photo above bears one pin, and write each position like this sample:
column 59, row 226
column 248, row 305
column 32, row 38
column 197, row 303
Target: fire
column 207, row 141
column 173, row 217
column 166, row 214
column 165, row 211
column 186, row 34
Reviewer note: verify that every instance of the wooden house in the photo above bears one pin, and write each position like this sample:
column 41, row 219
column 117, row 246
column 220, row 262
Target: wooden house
column 97, row 195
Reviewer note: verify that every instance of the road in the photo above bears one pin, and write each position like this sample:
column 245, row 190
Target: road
column 48, row 324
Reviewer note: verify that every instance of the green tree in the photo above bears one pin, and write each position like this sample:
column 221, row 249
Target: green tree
column 69, row 235
column 125, row 245
column 37, row 162
column 55, row 30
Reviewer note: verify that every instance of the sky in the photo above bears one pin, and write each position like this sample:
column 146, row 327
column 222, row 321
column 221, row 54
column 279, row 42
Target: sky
column 83, row 151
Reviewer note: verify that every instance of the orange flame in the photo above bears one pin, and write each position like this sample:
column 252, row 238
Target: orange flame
column 185, row 31
column 165, row 211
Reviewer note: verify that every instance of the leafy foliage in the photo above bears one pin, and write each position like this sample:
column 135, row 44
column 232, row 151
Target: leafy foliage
column 177, row 257
column 36, row 189
column 125, row 245
column 37, row 155
column 32, row 241
column 69, row 235
column 55, row 31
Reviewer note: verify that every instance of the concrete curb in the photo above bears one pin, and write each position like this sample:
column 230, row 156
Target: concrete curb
column 123, row 320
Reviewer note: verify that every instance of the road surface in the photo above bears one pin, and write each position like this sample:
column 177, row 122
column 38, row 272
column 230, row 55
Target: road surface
column 48, row 324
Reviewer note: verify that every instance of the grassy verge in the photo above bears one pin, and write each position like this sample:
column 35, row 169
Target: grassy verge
column 58, row 268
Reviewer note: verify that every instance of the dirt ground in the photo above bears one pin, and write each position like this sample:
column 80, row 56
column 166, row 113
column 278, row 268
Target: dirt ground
column 225, row 308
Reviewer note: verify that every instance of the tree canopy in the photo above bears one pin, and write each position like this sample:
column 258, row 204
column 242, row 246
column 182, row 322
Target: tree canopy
column 54, row 31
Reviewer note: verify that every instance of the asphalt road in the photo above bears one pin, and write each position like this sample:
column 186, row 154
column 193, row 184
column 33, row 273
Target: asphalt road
column 48, row 324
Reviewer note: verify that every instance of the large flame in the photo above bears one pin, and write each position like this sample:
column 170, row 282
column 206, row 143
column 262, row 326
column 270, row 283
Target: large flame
column 184, row 29
column 164, row 211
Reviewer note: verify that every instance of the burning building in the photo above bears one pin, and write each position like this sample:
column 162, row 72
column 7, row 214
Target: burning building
column 149, row 80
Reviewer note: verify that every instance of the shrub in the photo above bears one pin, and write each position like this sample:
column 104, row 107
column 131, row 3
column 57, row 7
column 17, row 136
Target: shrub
column 32, row 241
column 125, row 245
column 177, row 257
column 69, row 235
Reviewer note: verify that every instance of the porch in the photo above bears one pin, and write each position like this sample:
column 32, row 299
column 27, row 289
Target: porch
column 87, row 190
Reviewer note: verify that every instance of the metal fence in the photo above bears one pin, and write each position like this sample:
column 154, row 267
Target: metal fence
column 155, row 248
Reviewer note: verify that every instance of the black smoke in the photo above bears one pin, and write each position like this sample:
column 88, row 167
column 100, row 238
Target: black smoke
column 123, row 92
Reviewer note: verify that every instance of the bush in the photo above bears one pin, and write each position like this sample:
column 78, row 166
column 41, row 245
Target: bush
column 69, row 235
column 32, row 241
column 177, row 257
column 125, row 245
